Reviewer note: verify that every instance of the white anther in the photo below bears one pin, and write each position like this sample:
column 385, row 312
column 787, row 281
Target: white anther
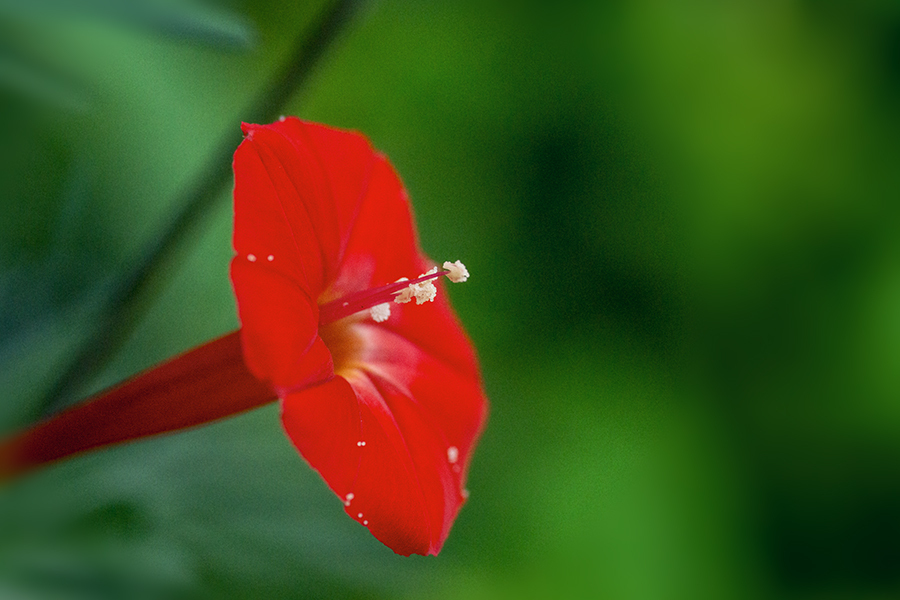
column 458, row 272
column 381, row 312
column 405, row 295
column 423, row 292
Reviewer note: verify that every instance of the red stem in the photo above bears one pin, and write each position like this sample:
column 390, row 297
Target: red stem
column 204, row 384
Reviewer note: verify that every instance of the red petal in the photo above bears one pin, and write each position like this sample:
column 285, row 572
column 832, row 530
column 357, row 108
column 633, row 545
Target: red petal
column 284, row 208
column 381, row 450
column 408, row 388
column 449, row 397
column 279, row 328
column 297, row 191
column 410, row 409
column 382, row 245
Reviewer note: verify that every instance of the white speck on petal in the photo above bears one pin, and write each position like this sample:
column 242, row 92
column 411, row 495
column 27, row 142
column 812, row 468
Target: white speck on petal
column 361, row 443
column 366, row 522
column 271, row 257
column 359, row 516
column 251, row 257
column 452, row 454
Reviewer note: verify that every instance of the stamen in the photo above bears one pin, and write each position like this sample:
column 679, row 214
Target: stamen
column 381, row 312
column 457, row 272
column 377, row 300
column 405, row 295
column 423, row 292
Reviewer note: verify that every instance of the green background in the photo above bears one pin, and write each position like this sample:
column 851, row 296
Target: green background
column 681, row 219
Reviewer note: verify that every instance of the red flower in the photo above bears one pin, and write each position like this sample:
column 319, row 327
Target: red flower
column 388, row 413
column 386, row 409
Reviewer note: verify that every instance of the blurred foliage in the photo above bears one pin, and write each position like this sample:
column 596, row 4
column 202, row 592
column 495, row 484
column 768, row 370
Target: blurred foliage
column 683, row 228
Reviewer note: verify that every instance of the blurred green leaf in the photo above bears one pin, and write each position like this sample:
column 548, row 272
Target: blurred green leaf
column 23, row 77
column 190, row 20
column 143, row 516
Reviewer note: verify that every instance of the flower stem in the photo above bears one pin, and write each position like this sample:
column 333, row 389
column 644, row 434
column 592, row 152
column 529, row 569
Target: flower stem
column 128, row 299
column 208, row 383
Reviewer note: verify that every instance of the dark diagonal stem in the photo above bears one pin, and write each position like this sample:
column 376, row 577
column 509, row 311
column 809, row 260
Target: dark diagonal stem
column 129, row 297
